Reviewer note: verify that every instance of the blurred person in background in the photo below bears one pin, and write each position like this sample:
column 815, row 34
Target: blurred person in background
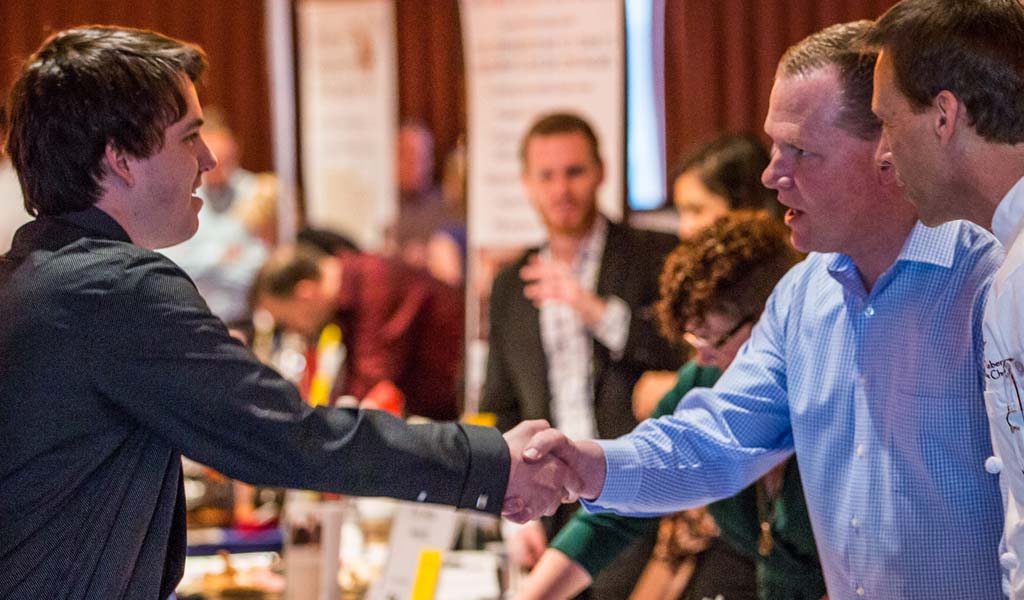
column 718, row 177
column 571, row 322
column 421, row 206
column 398, row 324
column 447, row 246
column 757, row 544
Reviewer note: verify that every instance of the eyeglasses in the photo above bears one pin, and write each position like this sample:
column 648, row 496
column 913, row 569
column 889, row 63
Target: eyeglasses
column 698, row 342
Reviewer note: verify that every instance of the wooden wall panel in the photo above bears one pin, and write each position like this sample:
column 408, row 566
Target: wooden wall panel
column 231, row 32
column 720, row 58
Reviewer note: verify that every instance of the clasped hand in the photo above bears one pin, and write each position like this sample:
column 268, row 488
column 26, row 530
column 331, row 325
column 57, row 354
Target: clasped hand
column 550, row 281
column 548, row 469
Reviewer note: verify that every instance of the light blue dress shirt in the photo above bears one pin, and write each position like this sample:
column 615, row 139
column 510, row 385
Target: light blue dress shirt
column 879, row 394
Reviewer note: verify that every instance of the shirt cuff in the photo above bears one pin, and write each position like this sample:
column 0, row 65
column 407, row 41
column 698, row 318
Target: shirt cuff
column 613, row 328
column 489, row 462
column 623, row 475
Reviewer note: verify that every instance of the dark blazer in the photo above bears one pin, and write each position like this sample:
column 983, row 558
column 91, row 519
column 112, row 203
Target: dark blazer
column 516, row 388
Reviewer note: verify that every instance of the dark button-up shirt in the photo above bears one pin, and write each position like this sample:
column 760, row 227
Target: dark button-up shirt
column 111, row 366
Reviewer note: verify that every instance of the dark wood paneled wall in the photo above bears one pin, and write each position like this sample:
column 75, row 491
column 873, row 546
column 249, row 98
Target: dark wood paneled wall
column 719, row 63
column 231, row 32
column 720, row 58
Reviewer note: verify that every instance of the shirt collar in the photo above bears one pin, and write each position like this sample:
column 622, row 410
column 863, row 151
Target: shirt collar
column 1009, row 215
column 931, row 245
column 96, row 221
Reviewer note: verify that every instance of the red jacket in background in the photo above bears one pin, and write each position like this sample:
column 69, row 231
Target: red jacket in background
column 400, row 324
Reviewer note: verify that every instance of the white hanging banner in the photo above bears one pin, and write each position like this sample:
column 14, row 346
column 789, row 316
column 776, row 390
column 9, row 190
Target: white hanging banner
column 349, row 105
column 523, row 59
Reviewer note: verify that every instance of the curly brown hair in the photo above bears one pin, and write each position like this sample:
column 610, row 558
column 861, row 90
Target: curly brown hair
column 731, row 267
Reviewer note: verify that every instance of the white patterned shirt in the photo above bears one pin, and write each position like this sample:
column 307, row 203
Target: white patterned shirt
column 569, row 344
column 1004, row 380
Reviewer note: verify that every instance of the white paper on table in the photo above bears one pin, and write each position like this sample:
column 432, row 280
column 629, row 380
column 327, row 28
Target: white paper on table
column 469, row 575
column 415, row 527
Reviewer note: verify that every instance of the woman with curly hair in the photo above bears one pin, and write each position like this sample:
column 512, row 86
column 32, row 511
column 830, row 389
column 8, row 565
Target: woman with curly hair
column 759, row 543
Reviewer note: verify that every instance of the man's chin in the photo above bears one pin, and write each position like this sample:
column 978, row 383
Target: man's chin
column 935, row 219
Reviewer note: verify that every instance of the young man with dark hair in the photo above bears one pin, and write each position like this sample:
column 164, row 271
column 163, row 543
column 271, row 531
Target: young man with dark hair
column 112, row 366
column 949, row 89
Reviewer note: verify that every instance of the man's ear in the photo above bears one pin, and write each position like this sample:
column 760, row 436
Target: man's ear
column 948, row 109
column 118, row 163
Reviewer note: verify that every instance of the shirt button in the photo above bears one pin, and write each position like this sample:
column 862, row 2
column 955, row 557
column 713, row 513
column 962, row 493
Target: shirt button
column 860, row 590
column 1009, row 561
column 859, row 451
column 422, row 496
column 869, row 311
column 481, row 502
column 994, row 465
column 855, row 522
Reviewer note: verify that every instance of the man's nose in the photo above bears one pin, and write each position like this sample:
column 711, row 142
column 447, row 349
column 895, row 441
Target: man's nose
column 883, row 153
column 776, row 175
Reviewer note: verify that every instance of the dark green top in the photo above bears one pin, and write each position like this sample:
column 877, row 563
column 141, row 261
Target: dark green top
column 790, row 572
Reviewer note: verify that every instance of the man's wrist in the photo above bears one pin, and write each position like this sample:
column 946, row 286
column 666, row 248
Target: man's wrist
column 591, row 468
column 591, row 308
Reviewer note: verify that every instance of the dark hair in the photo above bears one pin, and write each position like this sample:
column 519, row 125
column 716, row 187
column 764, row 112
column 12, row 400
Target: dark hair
column 286, row 267
column 326, row 240
column 731, row 167
column 839, row 46
column 973, row 48
column 730, row 267
column 559, row 123
column 86, row 88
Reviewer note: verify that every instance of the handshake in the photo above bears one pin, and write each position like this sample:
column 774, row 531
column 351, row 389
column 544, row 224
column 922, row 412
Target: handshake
column 548, row 469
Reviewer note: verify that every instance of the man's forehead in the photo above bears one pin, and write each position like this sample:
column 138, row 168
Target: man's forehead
column 193, row 117
column 569, row 146
column 804, row 103
column 884, row 83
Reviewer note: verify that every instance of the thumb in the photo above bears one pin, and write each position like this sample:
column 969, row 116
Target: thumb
column 553, row 442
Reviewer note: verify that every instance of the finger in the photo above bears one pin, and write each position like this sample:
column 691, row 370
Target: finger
column 513, row 505
column 517, row 517
column 533, row 291
column 531, row 272
column 531, row 427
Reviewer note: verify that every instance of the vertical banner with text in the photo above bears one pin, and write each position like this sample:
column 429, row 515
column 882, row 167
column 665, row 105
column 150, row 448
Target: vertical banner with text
column 524, row 59
column 349, row 106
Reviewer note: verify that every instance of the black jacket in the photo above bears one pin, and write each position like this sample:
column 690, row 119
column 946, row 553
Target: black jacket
column 517, row 388
column 111, row 366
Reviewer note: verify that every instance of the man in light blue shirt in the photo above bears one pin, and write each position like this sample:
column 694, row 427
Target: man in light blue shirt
column 866, row 363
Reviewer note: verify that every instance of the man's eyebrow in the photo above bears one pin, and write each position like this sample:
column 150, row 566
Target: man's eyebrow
column 194, row 124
